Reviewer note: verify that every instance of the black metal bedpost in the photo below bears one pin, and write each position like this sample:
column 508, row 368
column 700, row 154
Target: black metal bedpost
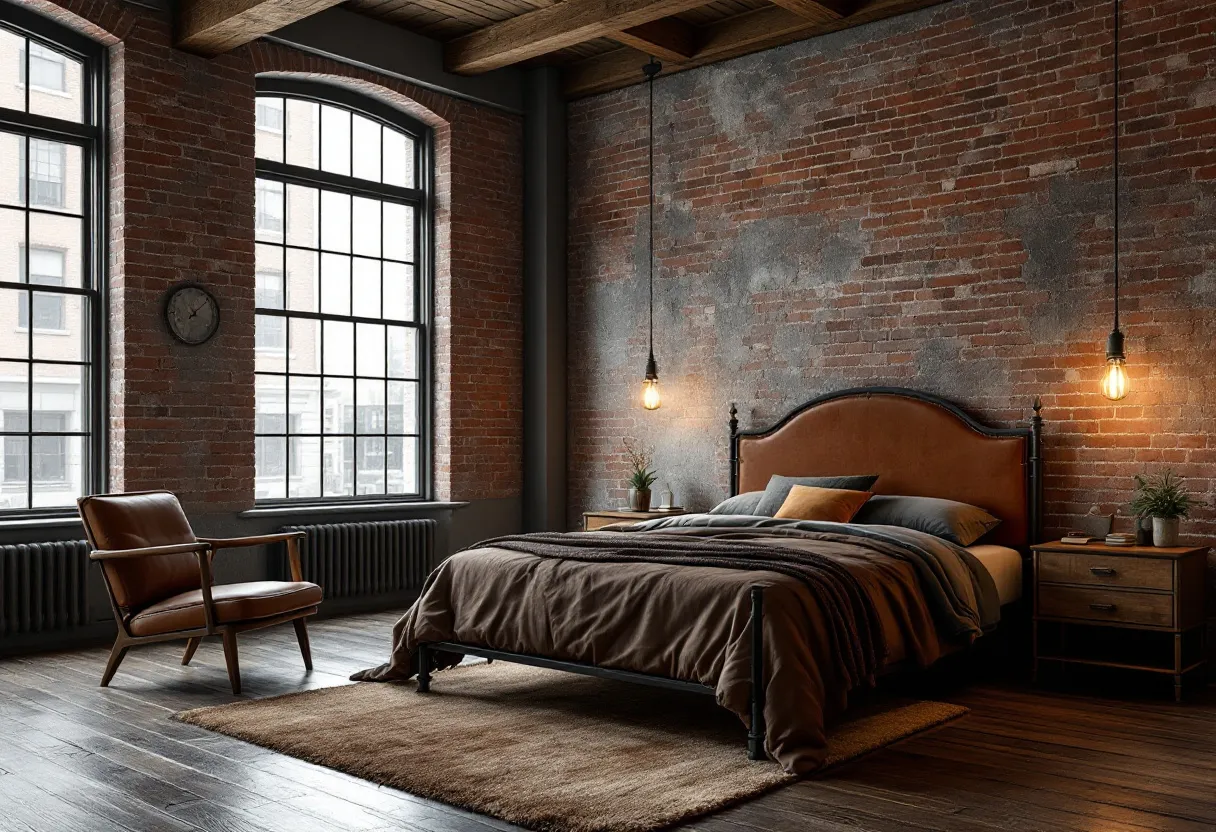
column 1036, row 472
column 734, row 450
column 424, row 668
column 755, row 734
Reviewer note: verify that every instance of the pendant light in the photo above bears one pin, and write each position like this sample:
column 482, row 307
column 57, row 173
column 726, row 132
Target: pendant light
column 1114, row 382
column 651, row 399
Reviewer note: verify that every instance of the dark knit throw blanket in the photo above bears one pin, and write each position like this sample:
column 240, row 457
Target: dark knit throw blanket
column 856, row 631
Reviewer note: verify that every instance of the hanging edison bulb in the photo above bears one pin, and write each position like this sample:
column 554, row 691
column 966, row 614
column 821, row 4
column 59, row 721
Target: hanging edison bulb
column 651, row 398
column 1114, row 382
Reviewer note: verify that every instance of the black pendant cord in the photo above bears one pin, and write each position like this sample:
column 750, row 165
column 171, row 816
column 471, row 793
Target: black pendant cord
column 650, row 180
column 1116, row 165
column 651, row 69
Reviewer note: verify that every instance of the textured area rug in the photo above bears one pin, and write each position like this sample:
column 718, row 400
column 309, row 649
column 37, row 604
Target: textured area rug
column 544, row 749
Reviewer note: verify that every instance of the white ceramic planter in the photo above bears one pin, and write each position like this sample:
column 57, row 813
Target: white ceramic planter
column 1165, row 531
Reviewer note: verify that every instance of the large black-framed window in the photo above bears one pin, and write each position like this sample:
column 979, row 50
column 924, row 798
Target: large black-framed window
column 343, row 271
column 52, row 221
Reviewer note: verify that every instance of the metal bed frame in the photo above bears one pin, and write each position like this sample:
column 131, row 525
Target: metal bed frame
column 756, row 728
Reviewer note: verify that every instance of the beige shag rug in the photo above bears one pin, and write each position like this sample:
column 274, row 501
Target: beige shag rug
column 544, row 749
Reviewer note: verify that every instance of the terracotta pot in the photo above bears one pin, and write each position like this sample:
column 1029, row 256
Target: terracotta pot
column 1165, row 531
column 639, row 500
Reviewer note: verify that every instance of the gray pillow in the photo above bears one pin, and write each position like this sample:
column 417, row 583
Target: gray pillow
column 779, row 488
column 739, row 504
column 957, row 522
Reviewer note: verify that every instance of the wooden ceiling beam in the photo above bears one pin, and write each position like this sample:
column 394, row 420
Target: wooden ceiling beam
column 669, row 39
column 746, row 33
column 557, row 27
column 213, row 27
column 817, row 11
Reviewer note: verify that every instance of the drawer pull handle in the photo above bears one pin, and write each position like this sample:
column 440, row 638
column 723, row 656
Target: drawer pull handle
column 1104, row 571
column 1102, row 607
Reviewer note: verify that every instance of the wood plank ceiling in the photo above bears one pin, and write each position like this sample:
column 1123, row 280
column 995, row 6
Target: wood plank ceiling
column 602, row 44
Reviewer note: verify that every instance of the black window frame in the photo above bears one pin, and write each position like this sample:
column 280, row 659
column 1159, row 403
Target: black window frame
column 421, row 196
column 90, row 135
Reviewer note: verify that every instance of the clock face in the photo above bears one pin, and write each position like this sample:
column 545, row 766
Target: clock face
column 192, row 314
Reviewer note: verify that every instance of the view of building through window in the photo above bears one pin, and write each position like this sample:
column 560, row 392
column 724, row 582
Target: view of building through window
column 340, row 338
column 46, row 290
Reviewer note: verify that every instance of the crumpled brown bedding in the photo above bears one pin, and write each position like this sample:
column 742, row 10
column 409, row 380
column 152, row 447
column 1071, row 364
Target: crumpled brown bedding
column 692, row 622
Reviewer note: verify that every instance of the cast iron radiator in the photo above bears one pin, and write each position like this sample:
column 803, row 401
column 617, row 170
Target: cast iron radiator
column 42, row 587
column 359, row 559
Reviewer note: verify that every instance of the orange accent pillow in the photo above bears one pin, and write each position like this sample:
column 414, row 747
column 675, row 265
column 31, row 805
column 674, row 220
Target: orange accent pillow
column 835, row 505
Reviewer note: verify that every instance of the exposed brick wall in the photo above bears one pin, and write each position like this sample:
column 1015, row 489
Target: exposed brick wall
column 182, row 207
column 923, row 202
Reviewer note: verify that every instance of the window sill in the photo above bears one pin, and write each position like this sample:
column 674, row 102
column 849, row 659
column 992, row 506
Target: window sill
column 351, row 508
column 55, row 521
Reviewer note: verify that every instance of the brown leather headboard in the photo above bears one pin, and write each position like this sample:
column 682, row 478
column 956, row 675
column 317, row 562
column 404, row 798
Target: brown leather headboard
column 918, row 445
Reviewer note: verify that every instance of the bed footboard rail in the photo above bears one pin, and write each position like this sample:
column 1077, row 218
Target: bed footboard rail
column 756, row 727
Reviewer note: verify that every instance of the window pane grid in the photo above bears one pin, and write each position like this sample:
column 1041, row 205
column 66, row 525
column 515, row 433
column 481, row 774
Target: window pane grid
column 340, row 415
column 47, row 281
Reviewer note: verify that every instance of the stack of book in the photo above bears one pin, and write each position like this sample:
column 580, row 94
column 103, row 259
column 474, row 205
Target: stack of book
column 1112, row 539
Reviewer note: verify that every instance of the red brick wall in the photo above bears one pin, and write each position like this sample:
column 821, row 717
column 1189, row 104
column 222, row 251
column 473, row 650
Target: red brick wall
column 182, row 207
column 923, row 202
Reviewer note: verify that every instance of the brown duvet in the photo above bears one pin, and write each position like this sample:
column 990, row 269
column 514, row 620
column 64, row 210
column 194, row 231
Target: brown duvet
column 692, row 622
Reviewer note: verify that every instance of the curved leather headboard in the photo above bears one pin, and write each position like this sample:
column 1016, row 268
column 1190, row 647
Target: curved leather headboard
column 917, row 444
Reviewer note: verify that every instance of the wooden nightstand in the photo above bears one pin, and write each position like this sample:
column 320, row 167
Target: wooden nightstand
column 1129, row 607
column 593, row 520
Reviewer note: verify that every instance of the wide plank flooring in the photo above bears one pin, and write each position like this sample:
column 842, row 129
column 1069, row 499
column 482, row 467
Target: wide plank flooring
column 77, row 757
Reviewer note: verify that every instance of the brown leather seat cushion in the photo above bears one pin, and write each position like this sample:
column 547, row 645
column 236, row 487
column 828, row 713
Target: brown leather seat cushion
column 233, row 602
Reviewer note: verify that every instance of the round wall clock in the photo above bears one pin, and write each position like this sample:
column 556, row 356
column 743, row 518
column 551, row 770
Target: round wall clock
column 191, row 313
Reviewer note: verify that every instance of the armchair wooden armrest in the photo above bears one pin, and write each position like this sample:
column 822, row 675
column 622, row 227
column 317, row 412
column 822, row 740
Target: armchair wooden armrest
column 202, row 549
column 150, row 551
column 292, row 539
column 251, row 540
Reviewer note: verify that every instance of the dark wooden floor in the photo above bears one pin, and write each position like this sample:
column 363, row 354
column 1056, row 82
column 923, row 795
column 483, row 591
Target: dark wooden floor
column 74, row 757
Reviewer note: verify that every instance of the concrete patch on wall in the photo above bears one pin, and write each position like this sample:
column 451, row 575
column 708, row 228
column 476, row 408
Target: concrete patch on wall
column 750, row 104
column 1050, row 226
column 941, row 368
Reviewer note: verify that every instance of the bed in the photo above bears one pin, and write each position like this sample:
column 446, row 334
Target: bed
column 780, row 620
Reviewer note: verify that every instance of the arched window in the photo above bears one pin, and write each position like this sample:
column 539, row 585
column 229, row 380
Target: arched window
column 51, row 265
column 342, row 296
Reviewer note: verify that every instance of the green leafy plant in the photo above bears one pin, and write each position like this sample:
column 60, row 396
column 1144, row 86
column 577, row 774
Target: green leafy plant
column 641, row 457
column 1162, row 495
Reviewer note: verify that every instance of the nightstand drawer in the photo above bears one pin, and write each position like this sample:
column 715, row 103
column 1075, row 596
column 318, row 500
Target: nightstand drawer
column 1106, row 606
column 590, row 524
column 1100, row 570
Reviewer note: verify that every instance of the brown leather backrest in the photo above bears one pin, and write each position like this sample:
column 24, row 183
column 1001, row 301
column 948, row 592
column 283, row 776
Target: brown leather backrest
column 132, row 521
column 916, row 447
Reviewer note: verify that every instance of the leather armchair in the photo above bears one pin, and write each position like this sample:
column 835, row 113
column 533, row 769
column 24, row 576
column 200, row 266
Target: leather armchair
column 158, row 575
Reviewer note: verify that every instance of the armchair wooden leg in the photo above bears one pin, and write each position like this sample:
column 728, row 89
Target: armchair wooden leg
column 302, row 637
column 191, row 646
column 117, row 653
column 230, row 658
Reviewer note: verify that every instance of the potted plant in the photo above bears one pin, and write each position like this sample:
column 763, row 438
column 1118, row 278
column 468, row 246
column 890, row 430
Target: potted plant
column 1165, row 499
column 641, row 476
